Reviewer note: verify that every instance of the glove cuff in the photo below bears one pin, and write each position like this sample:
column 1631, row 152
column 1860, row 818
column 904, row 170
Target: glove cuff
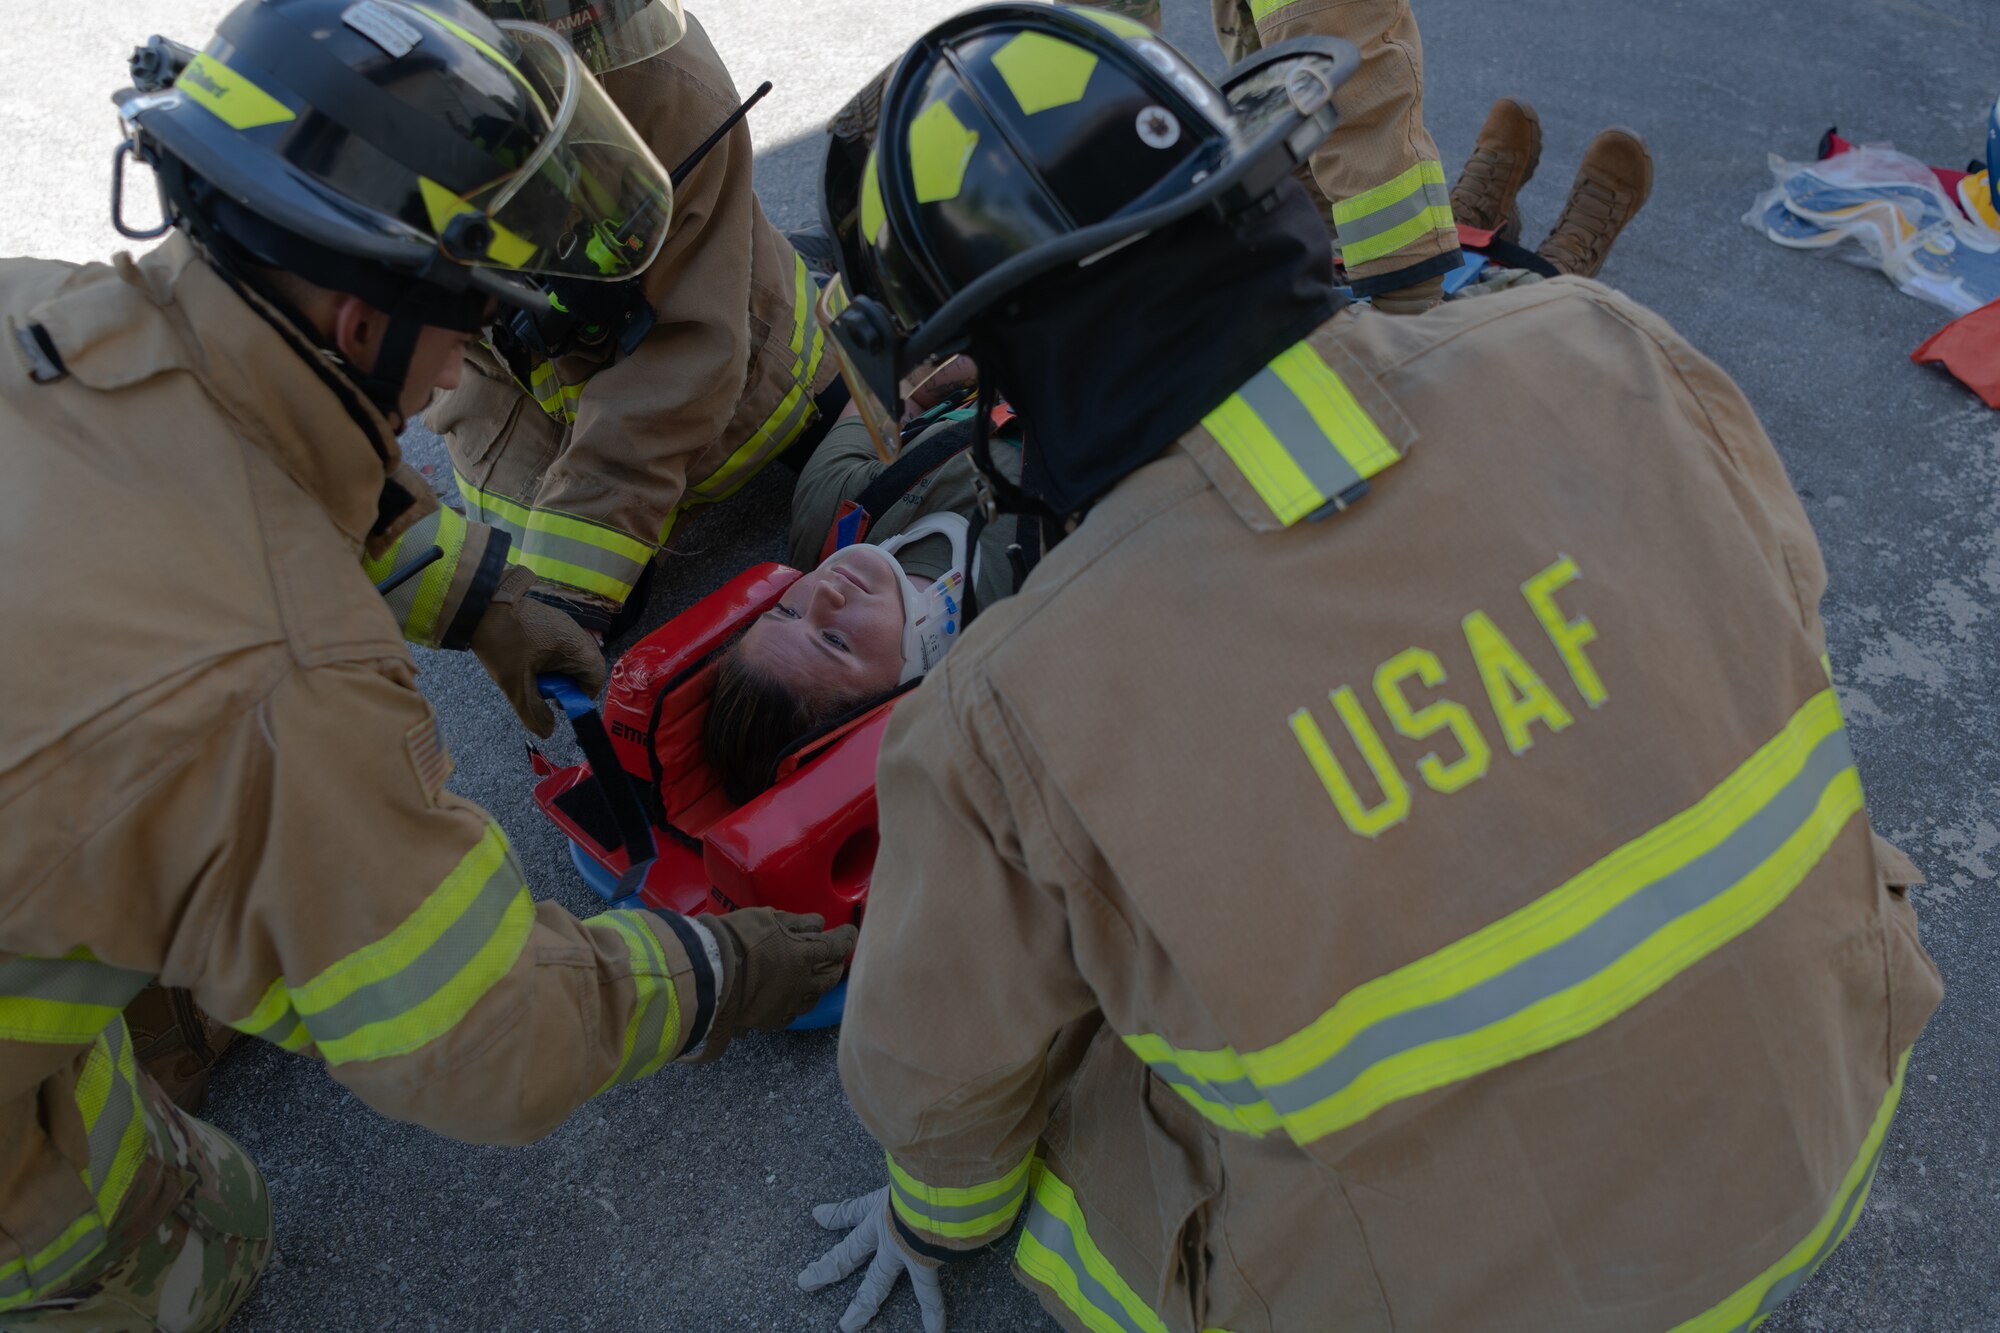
column 706, row 961
column 479, row 591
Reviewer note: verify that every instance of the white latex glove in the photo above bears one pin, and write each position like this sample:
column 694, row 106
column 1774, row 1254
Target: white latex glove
column 873, row 1234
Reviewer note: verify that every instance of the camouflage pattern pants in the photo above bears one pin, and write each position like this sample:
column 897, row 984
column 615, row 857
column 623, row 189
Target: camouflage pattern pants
column 186, row 1272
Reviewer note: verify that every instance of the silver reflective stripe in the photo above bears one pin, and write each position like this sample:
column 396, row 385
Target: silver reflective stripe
column 1240, row 1093
column 121, row 1105
column 1387, row 218
column 421, row 536
column 614, row 565
column 1591, row 951
column 279, row 1030
column 944, row 1215
column 427, row 973
column 1303, row 438
column 1050, row 1230
column 770, row 440
column 71, row 981
column 659, row 1002
column 1795, row 1279
column 57, row 1269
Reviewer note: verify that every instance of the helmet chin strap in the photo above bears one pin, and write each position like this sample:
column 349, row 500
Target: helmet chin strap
column 385, row 384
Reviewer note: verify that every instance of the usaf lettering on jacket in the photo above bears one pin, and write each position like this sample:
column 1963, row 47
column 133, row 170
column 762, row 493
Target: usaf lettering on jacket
column 1519, row 698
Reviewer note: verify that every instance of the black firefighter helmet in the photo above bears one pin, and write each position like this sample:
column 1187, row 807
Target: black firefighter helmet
column 608, row 34
column 1015, row 140
column 414, row 154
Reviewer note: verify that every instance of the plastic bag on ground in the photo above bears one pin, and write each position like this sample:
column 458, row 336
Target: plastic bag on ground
column 1886, row 210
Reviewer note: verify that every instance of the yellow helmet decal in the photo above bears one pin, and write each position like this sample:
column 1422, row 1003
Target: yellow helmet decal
column 237, row 102
column 874, row 217
column 443, row 205
column 1043, row 71
column 940, row 148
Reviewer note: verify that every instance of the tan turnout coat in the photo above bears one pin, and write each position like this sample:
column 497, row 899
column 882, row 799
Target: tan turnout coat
column 588, row 462
column 217, row 770
column 1458, row 912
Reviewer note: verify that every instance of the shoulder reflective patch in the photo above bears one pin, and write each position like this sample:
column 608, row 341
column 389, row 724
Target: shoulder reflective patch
column 429, row 759
column 235, row 101
column 940, row 147
column 1043, row 71
column 1299, row 437
column 443, row 205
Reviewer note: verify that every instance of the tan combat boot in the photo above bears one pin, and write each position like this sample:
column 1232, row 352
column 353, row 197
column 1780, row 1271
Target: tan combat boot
column 1509, row 149
column 1611, row 187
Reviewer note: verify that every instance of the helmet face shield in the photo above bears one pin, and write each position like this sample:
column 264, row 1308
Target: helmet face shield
column 590, row 200
column 875, row 395
column 607, row 34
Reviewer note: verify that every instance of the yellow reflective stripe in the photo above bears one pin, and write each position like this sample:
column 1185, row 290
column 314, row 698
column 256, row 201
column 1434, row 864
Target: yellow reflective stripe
column 229, row 96
column 557, row 546
column 557, row 399
column 1383, row 220
column 653, row 1032
column 575, row 576
column 1752, row 1303
column 1212, row 1082
column 1564, row 965
column 275, row 1020
column 1298, row 435
column 1434, row 219
column 114, row 1120
column 485, row 48
column 413, row 985
column 518, row 517
column 1263, row 9
column 78, row 1244
column 1056, row 1250
column 64, row 1001
column 802, row 289
column 1334, row 410
column 419, row 602
column 1389, row 193
column 787, row 419
column 1263, row 460
column 958, row 1196
column 959, row 1212
column 115, row 1128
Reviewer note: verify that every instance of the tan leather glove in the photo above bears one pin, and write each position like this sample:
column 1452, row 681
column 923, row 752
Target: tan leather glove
column 775, row 966
column 519, row 638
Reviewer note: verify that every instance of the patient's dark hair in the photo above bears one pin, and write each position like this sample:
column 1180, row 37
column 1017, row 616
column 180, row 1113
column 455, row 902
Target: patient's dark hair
column 752, row 717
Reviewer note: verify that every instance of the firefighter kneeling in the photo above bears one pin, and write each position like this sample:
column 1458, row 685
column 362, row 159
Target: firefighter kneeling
column 221, row 774
column 1398, row 860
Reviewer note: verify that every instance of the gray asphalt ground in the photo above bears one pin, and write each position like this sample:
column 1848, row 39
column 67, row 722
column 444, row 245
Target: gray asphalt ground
column 683, row 1203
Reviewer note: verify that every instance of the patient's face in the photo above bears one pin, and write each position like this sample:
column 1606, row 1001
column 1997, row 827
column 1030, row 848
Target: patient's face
column 838, row 629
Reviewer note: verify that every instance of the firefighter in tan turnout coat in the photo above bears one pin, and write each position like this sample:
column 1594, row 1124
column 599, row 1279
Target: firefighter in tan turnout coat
column 230, row 782
column 585, row 433
column 1398, row 862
